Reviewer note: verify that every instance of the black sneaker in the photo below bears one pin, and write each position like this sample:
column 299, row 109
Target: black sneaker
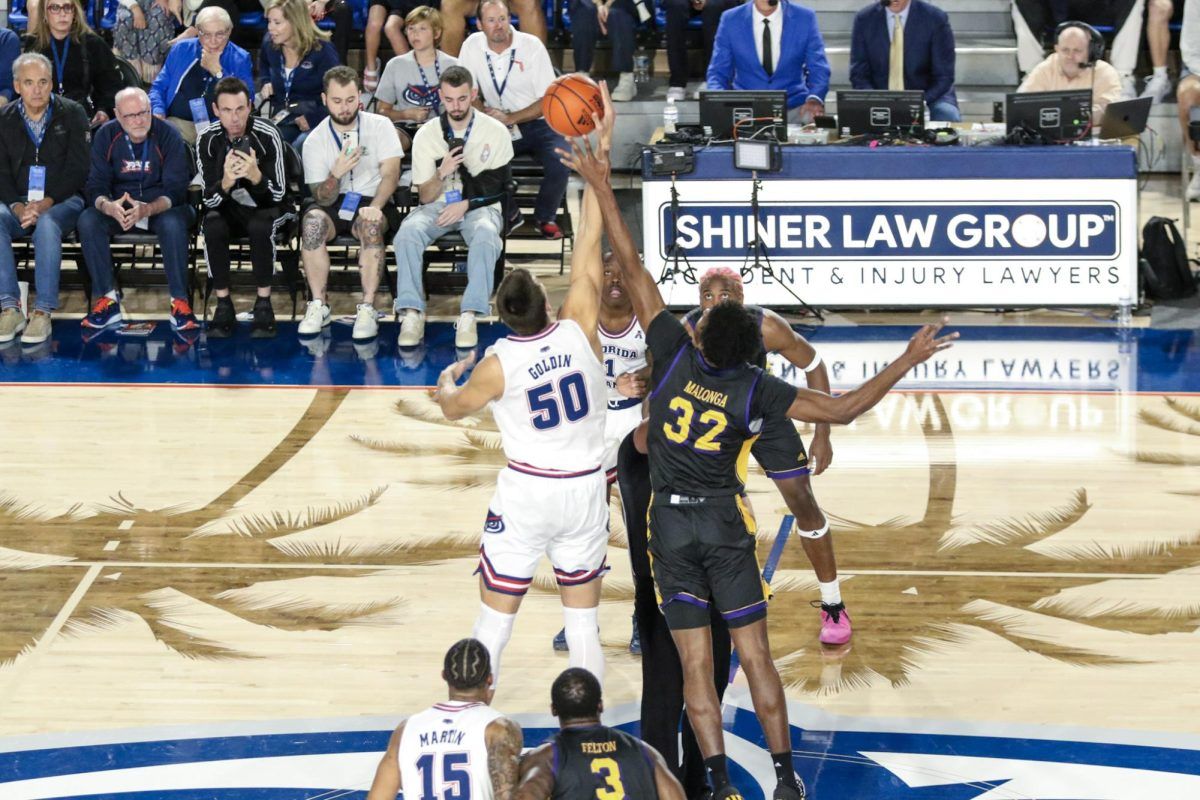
column 785, row 792
column 224, row 320
column 727, row 792
column 263, row 326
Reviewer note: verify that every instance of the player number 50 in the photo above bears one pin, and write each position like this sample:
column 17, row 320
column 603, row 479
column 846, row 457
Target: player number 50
column 550, row 402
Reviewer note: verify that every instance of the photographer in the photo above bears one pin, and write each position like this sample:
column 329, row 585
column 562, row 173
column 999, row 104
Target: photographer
column 460, row 164
column 241, row 161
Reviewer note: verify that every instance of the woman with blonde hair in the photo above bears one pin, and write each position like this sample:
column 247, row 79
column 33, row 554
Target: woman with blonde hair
column 83, row 65
column 292, row 62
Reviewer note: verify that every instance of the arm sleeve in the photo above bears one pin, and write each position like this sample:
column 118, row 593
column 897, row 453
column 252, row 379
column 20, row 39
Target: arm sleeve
column 161, row 86
column 860, row 61
column 211, row 172
column 76, row 171
column 815, row 63
column 943, row 61
column 274, row 183
column 720, row 66
column 10, row 48
column 664, row 338
column 487, row 187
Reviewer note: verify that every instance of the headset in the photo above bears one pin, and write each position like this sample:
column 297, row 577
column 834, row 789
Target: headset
column 1096, row 42
column 940, row 137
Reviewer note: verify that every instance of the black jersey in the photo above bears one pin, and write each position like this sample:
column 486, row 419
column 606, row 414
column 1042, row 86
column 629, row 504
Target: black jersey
column 598, row 761
column 703, row 420
column 760, row 360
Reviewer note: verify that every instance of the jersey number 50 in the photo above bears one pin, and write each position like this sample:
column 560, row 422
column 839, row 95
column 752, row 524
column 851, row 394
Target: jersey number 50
column 455, row 779
column 679, row 429
column 550, row 402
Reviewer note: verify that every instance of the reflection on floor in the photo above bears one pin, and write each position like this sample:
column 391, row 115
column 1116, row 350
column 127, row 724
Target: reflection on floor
column 217, row 591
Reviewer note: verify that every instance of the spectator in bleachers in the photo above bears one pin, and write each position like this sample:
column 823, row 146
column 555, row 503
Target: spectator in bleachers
column 1064, row 70
column 1034, row 19
column 293, row 60
column 454, row 19
column 408, row 92
column 84, row 69
column 144, row 32
column 512, row 90
column 137, row 182
column 245, row 188
column 384, row 17
column 679, row 12
column 43, row 164
column 343, row 23
column 460, row 189
column 182, row 92
column 351, row 166
column 616, row 19
column 1158, row 36
column 1188, row 93
column 907, row 45
column 10, row 48
column 794, row 61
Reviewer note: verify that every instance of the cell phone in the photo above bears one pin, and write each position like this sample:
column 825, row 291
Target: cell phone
column 454, row 144
column 242, row 145
column 349, row 141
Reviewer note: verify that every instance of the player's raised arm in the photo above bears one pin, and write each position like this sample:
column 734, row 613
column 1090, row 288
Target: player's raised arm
column 485, row 384
column 779, row 337
column 537, row 775
column 814, row 406
column 387, row 775
column 504, row 741
column 582, row 303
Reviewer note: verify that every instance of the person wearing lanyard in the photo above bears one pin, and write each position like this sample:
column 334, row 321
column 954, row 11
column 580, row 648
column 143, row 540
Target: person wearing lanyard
column 514, row 70
column 408, row 91
column 182, row 91
column 138, row 181
column 460, row 166
column 84, row 69
column 43, row 164
column 293, row 59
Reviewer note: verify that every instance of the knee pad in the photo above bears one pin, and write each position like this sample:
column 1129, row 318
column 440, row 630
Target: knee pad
column 817, row 534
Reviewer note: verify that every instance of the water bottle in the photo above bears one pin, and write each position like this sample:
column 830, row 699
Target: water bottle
column 641, row 67
column 670, row 116
column 1125, row 311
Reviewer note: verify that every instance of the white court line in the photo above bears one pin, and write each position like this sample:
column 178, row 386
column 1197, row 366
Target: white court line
column 29, row 658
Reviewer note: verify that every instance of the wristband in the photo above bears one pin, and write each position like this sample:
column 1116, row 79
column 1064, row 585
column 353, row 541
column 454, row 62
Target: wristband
column 816, row 362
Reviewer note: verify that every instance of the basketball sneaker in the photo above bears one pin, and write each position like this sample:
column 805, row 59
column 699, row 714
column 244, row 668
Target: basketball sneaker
column 785, row 792
column 727, row 792
column 263, row 324
column 105, row 312
column 465, row 335
column 835, row 623
column 366, row 322
column 12, row 322
column 316, row 317
column 550, row 230
column 182, row 318
column 224, row 319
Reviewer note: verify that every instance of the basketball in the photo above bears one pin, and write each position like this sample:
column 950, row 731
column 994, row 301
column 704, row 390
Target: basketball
column 569, row 103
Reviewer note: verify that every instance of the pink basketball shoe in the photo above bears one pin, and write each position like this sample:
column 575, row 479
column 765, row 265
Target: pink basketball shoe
column 835, row 624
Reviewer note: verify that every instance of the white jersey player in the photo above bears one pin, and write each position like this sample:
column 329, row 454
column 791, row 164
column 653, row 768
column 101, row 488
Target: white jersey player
column 457, row 748
column 546, row 383
column 623, row 345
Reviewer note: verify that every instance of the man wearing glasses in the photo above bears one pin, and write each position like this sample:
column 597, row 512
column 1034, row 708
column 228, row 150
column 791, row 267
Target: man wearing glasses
column 183, row 91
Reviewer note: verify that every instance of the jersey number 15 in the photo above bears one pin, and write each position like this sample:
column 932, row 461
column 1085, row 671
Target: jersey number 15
column 455, row 778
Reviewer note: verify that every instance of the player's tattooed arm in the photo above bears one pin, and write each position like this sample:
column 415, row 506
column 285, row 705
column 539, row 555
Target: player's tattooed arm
column 326, row 191
column 387, row 775
column 537, row 775
column 504, row 741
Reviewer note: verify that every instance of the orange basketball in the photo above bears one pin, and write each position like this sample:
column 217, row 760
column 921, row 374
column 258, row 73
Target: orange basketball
column 569, row 103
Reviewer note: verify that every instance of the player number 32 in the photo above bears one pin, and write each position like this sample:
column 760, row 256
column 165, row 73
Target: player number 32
column 680, row 429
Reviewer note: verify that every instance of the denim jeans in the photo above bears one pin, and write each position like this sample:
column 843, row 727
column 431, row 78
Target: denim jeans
column 96, row 230
column 585, row 30
column 480, row 229
column 540, row 139
column 944, row 111
column 47, row 252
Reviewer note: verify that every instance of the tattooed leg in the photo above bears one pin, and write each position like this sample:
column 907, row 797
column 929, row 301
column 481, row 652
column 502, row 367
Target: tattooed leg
column 370, row 255
column 316, row 229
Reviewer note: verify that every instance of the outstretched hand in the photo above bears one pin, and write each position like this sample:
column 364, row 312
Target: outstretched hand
column 452, row 373
column 926, row 342
column 590, row 162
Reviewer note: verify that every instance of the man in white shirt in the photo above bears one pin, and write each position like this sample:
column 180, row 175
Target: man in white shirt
column 351, row 166
column 460, row 166
column 513, row 71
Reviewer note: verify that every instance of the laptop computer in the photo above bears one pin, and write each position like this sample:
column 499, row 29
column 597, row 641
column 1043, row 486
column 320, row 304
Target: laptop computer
column 1126, row 118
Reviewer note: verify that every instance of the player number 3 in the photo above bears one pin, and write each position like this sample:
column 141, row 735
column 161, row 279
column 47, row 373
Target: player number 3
column 608, row 779
column 680, row 429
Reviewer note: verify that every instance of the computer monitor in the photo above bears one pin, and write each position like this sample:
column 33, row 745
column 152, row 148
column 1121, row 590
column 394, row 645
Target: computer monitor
column 720, row 111
column 869, row 111
column 1126, row 118
column 1057, row 116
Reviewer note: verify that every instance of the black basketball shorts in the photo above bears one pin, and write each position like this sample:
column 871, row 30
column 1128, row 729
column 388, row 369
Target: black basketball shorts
column 779, row 449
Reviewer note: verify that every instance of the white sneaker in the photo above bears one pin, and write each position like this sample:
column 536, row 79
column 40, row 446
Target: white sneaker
column 626, row 89
column 1193, row 190
column 1158, row 87
column 316, row 317
column 676, row 93
column 366, row 322
column 1128, row 87
column 412, row 328
column 465, row 335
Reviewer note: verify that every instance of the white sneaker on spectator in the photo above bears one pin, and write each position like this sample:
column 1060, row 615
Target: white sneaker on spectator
column 1158, row 87
column 366, row 322
column 1128, row 87
column 412, row 328
column 316, row 317
column 676, row 93
column 1193, row 190
column 626, row 89
column 465, row 335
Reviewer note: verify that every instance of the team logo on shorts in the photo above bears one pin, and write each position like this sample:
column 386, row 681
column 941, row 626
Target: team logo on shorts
column 494, row 523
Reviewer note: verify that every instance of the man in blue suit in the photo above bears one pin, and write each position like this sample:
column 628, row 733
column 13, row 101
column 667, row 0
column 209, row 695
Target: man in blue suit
column 925, row 47
column 788, row 53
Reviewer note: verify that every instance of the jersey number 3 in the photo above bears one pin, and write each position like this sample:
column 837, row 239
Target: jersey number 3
column 550, row 402
column 608, row 779
column 455, row 778
column 679, row 429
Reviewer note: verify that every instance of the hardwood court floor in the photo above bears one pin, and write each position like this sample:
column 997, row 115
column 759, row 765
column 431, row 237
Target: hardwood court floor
column 1020, row 553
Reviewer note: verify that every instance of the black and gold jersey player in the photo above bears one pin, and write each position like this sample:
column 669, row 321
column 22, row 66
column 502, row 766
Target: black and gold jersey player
column 586, row 760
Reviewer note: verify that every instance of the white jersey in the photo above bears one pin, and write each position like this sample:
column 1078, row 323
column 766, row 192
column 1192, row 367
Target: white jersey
column 551, row 415
column 624, row 351
column 445, row 746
